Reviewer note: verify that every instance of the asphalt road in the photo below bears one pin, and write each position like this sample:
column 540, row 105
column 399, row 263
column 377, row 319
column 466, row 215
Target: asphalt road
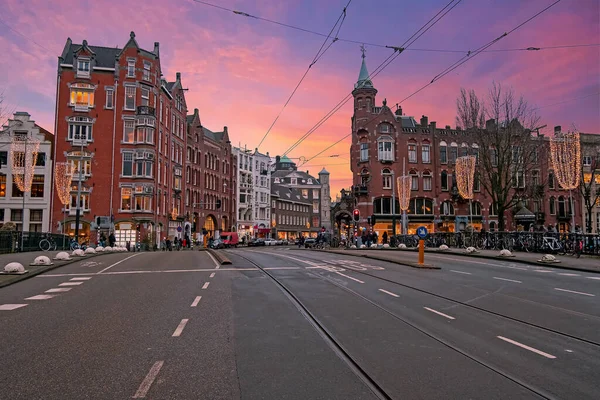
column 176, row 325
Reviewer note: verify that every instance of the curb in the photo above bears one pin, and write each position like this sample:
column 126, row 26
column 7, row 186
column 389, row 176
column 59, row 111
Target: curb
column 57, row 264
column 221, row 258
column 373, row 257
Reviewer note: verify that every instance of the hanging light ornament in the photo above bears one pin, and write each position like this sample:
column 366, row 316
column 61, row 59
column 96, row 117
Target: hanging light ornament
column 403, row 183
column 174, row 214
column 23, row 152
column 565, row 156
column 63, row 175
column 465, row 176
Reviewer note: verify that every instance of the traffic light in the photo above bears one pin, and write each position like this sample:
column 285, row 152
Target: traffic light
column 369, row 220
column 218, row 203
column 356, row 214
column 373, row 220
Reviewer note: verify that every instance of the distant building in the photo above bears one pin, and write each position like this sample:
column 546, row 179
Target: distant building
column 36, row 217
column 312, row 190
column 290, row 212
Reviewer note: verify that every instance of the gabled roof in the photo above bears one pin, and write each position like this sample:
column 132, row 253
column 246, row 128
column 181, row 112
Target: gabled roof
column 288, row 193
column 296, row 174
column 216, row 136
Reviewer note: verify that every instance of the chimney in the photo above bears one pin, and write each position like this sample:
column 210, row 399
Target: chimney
column 156, row 51
column 225, row 129
column 195, row 111
column 433, row 125
column 399, row 111
column 277, row 159
column 178, row 75
column 424, row 120
column 557, row 129
column 448, row 127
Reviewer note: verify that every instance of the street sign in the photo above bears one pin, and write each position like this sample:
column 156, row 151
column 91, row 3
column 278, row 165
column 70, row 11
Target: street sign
column 422, row 232
column 178, row 229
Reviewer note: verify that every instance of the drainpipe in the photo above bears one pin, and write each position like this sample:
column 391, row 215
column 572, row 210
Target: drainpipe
column 55, row 145
column 112, row 168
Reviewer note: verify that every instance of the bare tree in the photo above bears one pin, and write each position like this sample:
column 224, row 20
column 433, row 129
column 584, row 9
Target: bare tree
column 590, row 176
column 509, row 155
column 5, row 110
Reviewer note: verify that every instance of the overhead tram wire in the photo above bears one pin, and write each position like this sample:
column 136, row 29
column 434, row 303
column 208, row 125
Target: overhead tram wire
column 316, row 58
column 452, row 67
column 397, row 51
column 567, row 101
column 312, row 32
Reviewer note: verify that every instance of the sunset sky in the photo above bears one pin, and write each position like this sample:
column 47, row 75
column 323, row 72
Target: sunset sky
column 241, row 70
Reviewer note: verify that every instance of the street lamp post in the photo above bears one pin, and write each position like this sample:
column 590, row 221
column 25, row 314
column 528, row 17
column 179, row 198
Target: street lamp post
column 393, row 203
column 78, row 205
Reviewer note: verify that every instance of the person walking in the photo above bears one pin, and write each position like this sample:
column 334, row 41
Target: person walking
column 384, row 237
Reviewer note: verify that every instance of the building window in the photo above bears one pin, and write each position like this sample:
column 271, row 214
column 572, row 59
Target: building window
column 386, row 149
column 494, row 157
column 109, row 97
column 384, row 128
column 535, row 177
column 364, row 152
column 493, row 210
column 75, row 166
column 145, row 96
column 83, row 67
column 426, row 153
column 177, row 183
column 414, row 180
column 128, row 130
column 519, row 179
column 79, row 132
column 40, row 160
column 3, row 158
column 475, row 208
column 443, row 153
column 131, row 68
column 446, row 208
column 130, row 98
column 551, row 184
column 427, row 180
column 420, row 206
column 587, row 161
column 475, row 152
column 444, row 180
column 2, row 186
column 37, row 186
column 82, row 96
column 36, row 215
column 146, row 72
column 315, row 193
column 464, row 150
column 143, row 203
column 453, row 152
column 125, row 199
column 127, row 164
column 562, row 207
column 364, row 176
column 552, row 206
column 387, row 178
column 16, row 215
column 476, row 183
column 412, row 152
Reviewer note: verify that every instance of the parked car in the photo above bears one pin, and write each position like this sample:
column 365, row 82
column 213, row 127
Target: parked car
column 256, row 242
column 309, row 242
column 217, row 244
column 230, row 239
column 270, row 242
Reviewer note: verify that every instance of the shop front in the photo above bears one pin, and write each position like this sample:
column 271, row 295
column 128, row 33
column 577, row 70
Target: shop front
column 84, row 230
column 126, row 232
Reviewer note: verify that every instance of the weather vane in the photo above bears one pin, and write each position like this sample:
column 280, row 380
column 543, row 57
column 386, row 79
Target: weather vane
column 363, row 50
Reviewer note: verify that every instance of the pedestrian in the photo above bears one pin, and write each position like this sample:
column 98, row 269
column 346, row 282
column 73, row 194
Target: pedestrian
column 112, row 240
column 128, row 246
column 384, row 237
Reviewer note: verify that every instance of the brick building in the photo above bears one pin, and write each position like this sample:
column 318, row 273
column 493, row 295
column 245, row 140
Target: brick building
column 210, row 179
column 122, row 126
column 383, row 142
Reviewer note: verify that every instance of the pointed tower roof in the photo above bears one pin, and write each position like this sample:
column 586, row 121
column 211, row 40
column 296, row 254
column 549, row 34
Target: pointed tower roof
column 363, row 76
column 324, row 172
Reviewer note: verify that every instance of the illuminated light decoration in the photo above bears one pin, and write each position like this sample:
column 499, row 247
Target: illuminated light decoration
column 63, row 176
column 23, row 153
column 465, row 176
column 403, row 183
column 565, row 156
column 174, row 214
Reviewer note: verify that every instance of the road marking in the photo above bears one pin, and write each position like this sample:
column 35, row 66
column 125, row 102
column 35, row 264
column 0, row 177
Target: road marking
column 70, row 283
column 205, row 285
column 349, row 277
column 58, row 290
column 80, row 279
column 541, row 270
column 180, row 327
column 196, row 301
column 390, row 293
column 568, row 351
column 572, row 291
column 149, row 272
column 566, row 274
column 217, row 264
column 10, row 307
column 438, row 313
column 41, row 297
column 508, row 280
column 461, row 272
column 148, row 380
column 212, row 275
column 117, row 263
column 541, row 353
column 593, row 277
column 268, row 268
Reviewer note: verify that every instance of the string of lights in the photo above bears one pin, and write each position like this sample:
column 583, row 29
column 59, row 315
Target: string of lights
column 465, row 176
column 565, row 157
column 403, row 183
column 396, row 52
column 23, row 155
column 63, row 176
column 320, row 53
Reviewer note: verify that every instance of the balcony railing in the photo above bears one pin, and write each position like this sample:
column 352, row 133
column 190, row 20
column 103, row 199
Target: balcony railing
column 146, row 110
column 360, row 190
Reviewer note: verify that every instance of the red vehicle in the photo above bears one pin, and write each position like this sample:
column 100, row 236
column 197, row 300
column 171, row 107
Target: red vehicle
column 230, row 239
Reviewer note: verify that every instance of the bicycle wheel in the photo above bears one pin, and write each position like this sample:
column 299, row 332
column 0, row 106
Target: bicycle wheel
column 74, row 246
column 45, row 245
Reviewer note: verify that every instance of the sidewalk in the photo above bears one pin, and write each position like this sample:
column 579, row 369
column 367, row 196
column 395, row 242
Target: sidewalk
column 409, row 256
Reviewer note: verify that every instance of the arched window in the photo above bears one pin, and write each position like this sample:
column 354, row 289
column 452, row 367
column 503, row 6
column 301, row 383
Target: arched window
column 464, row 149
column 562, row 206
column 425, row 152
column 444, row 180
column 364, row 176
column 446, row 208
column 384, row 128
column 453, row 152
column 493, row 210
column 476, row 208
column 412, row 151
column 427, row 180
column 414, row 180
column 492, row 226
column 386, row 175
column 364, row 150
column 443, row 152
column 420, row 206
column 475, row 151
column 385, row 147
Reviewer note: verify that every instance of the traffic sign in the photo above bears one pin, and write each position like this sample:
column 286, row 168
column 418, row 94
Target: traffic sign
column 422, row 232
column 178, row 229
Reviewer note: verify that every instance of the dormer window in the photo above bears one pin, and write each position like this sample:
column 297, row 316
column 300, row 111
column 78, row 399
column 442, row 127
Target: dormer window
column 131, row 68
column 146, row 72
column 310, row 181
column 83, row 68
column 276, row 180
column 384, row 128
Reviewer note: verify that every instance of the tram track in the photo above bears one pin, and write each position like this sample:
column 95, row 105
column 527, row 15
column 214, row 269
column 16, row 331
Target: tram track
column 355, row 366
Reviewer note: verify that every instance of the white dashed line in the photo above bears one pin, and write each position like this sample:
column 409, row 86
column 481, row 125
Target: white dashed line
column 205, row 285
column 58, row 290
column 41, row 297
column 541, row 353
column 572, row 291
column 148, row 380
column 349, row 277
column 566, row 274
column 180, row 327
column 438, row 313
column 10, row 307
column 212, row 275
column 390, row 293
column 541, row 270
column 196, row 301
column 461, row 272
column 80, row 279
column 509, row 280
column 593, row 277
column 217, row 264
column 70, row 283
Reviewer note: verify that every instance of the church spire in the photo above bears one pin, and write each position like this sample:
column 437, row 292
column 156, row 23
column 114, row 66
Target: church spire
column 363, row 77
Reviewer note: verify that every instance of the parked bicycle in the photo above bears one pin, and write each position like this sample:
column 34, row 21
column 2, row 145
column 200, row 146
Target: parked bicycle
column 47, row 243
